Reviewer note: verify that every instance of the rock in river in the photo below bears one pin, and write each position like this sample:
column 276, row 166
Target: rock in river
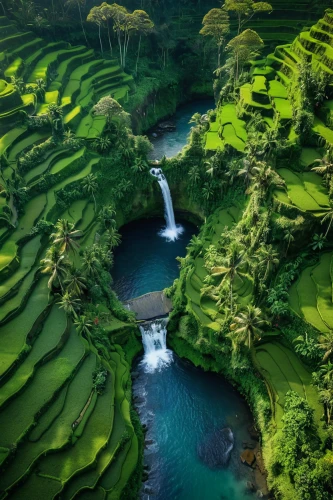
column 215, row 451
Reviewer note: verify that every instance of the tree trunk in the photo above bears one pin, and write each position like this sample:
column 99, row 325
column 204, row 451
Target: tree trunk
column 218, row 55
column 94, row 202
column 100, row 39
column 329, row 226
column 110, row 44
column 81, row 21
column 138, row 55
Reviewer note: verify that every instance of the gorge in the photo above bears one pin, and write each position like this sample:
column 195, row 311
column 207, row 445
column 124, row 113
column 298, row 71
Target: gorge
column 166, row 299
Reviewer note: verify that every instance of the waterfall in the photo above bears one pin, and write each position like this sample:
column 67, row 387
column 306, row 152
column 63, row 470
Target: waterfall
column 172, row 230
column 156, row 356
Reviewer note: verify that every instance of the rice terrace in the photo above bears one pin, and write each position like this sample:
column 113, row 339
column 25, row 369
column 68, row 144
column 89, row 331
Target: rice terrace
column 166, row 250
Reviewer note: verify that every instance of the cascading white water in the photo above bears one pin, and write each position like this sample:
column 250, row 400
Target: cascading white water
column 172, row 230
column 156, row 356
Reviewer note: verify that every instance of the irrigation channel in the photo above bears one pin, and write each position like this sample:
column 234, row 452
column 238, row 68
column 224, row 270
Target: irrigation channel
column 196, row 421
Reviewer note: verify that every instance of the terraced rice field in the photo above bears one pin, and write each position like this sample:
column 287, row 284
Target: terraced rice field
column 46, row 368
column 204, row 307
column 304, row 190
column 284, row 372
column 311, row 295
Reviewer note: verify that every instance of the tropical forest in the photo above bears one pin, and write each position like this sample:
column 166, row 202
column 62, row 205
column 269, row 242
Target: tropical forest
column 166, row 250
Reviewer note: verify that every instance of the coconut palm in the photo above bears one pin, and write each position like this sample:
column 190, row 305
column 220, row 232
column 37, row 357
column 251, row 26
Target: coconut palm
column 112, row 238
column 194, row 174
column 233, row 171
column 328, row 216
column 90, row 186
column 83, row 326
column 139, row 165
column 75, row 282
column 326, row 373
column 69, row 303
column 90, row 264
column 288, row 237
column 325, row 166
column 40, row 87
column 326, row 397
column 102, row 144
column 230, row 270
column 247, row 327
column 326, row 343
column 207, row 191
column 267, row 258
column 71, row 4
column 55, row 264
column 264, row 177
column 55, row 114
column 318, row 241
column 65, row 236
column 246, row 171
column 106, row 216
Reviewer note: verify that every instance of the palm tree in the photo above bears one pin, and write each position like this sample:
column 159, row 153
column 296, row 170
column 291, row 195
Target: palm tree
column 55, row 114
column 194, row 174
column 106, row 216
column 78, row 3
column 268, row 258
column 112, row 238
column 328, row 216
column 230, row 270
column 75, row 282
column 246, row 171
column 102, row 144
column 40, row 88
column 233, row 171
column 65, row 236
column 326, row 397
column 318, row 241
column 288, row 237
column 207, row 191
column 90, row 263
column 326, row 343
column 195, row 245
column 55, row 264
column 264, row 177
column 69, row 303
column 90, row 186
column 139, row 165
column 326, row 373
column 83, row 326
column 325, row 165
column 247, row 327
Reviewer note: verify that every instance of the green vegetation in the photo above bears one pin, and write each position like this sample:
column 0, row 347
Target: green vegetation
column 254, row 297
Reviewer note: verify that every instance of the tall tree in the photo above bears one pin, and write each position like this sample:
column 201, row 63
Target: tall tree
column 247, row 327
column 107, row 12
column 142, row 25
column 246, row 9
column 72, row 4
column 56, row 265
column 65, row 236
column 243, row 47
column 90, row 187
column 96, row 16
column 216, row 24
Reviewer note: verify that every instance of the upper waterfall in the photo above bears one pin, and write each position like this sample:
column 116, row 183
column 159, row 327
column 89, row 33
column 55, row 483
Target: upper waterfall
column 172, row 230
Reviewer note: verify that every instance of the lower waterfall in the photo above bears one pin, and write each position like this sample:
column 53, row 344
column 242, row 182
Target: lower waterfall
column 156, row 354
